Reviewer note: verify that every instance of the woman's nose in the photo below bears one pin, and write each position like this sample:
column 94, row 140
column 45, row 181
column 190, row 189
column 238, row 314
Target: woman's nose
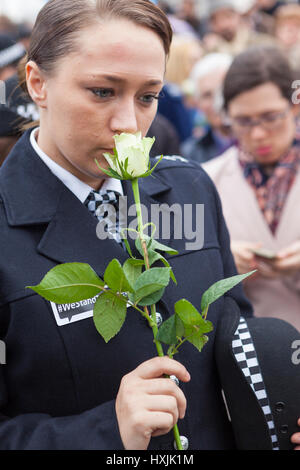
column 258, row 132
column 124, row 118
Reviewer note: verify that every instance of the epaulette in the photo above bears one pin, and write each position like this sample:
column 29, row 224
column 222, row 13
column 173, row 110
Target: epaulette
column 173, row 161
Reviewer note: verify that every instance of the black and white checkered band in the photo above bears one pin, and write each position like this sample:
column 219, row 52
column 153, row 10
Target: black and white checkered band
column 245, row 355
column 104, row 204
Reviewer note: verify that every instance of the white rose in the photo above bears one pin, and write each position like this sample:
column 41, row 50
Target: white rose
column 132, row 155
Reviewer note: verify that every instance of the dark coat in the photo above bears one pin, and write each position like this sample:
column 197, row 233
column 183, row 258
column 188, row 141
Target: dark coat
column 59, row 383
column 206, row 147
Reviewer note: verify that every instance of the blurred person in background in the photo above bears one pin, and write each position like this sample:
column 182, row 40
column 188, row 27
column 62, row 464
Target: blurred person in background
column 269, row 6
column 11, row 53
column 165, row 7
column 287, row 32
column 18, row 111
column 229, row 33
column 23, row 34
column 184, row 53
column 19, row 32
column 7, row 26
column 256, row 19
column 208, row 76
column 166, row 137
column 187, row 12
column 259, row 181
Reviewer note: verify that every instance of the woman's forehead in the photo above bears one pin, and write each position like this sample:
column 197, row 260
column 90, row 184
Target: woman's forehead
column 118, row 47
column 257, row 100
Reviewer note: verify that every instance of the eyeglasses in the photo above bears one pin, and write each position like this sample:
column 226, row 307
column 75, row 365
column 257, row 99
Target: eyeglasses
column 269, row 121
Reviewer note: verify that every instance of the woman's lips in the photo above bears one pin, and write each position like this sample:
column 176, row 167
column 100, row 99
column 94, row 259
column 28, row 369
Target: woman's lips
column 264, row 150
column 107, row 151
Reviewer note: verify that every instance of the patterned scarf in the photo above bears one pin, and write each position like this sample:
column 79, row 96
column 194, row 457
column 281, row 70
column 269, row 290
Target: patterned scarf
column 272, row 191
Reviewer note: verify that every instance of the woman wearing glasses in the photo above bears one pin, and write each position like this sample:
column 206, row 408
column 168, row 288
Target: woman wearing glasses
column 259, row 180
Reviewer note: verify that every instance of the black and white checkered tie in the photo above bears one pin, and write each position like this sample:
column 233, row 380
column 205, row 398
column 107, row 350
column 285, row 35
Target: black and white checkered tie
column 104, row 204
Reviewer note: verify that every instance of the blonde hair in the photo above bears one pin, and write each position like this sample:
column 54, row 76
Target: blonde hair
column 184, row 53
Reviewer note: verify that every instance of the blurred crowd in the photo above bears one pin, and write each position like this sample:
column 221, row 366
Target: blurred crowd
column 249, row 49
column 201, row 54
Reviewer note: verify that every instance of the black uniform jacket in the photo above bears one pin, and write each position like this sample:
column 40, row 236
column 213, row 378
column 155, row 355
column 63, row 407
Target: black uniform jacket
column 59, row 383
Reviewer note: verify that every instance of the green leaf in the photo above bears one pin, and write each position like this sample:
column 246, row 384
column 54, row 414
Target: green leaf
column 151, row 281
column 138, row 245
column 109, row 172
column 154, row 256
column 68, row 283
column 125, row 241
column 159, row 246
column 170, row 330
column 152, row 298
column 150, row 171
column 109, row 314
column 195, row 337
column 155, row 245
column 220, row 288
column 187, row 312
column 115, row 277
column 191, row 318
column 194, row 324
column 133, row 269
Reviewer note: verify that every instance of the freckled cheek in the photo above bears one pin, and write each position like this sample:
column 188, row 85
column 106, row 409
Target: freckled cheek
column 82, row 122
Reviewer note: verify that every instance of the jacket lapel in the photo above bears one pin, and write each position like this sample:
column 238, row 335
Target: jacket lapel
column 247, row 212
column 288, row 218
column 71, row 237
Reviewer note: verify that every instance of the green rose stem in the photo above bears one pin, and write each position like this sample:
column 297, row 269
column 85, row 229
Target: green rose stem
column 136, row 194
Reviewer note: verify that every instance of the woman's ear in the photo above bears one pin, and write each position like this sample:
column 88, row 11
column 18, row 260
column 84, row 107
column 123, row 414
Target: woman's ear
column 36, row 84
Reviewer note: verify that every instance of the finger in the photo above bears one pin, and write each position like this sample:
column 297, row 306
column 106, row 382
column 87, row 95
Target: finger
column 246, row 255
column 143, row 426
column 159, row 423
column 295, row 439
column 169, row 388
column 244, row 268
column 286, row 264
column 163, row 403
column 158, row 366
column 289, row 251
column 266, row 271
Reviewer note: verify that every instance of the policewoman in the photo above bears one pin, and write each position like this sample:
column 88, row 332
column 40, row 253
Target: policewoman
column 95, row 69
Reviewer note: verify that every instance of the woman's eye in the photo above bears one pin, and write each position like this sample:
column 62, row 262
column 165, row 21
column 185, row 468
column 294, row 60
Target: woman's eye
column 270, row 117
column 102, row 92
column 149, row 98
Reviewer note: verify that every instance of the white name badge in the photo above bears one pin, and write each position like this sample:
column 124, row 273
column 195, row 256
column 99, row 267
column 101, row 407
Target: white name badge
column 69, row 313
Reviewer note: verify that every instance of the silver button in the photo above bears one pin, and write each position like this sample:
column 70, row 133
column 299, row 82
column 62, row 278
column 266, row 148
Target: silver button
column 159, row 319
column 184, row 442
column 175, row 379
